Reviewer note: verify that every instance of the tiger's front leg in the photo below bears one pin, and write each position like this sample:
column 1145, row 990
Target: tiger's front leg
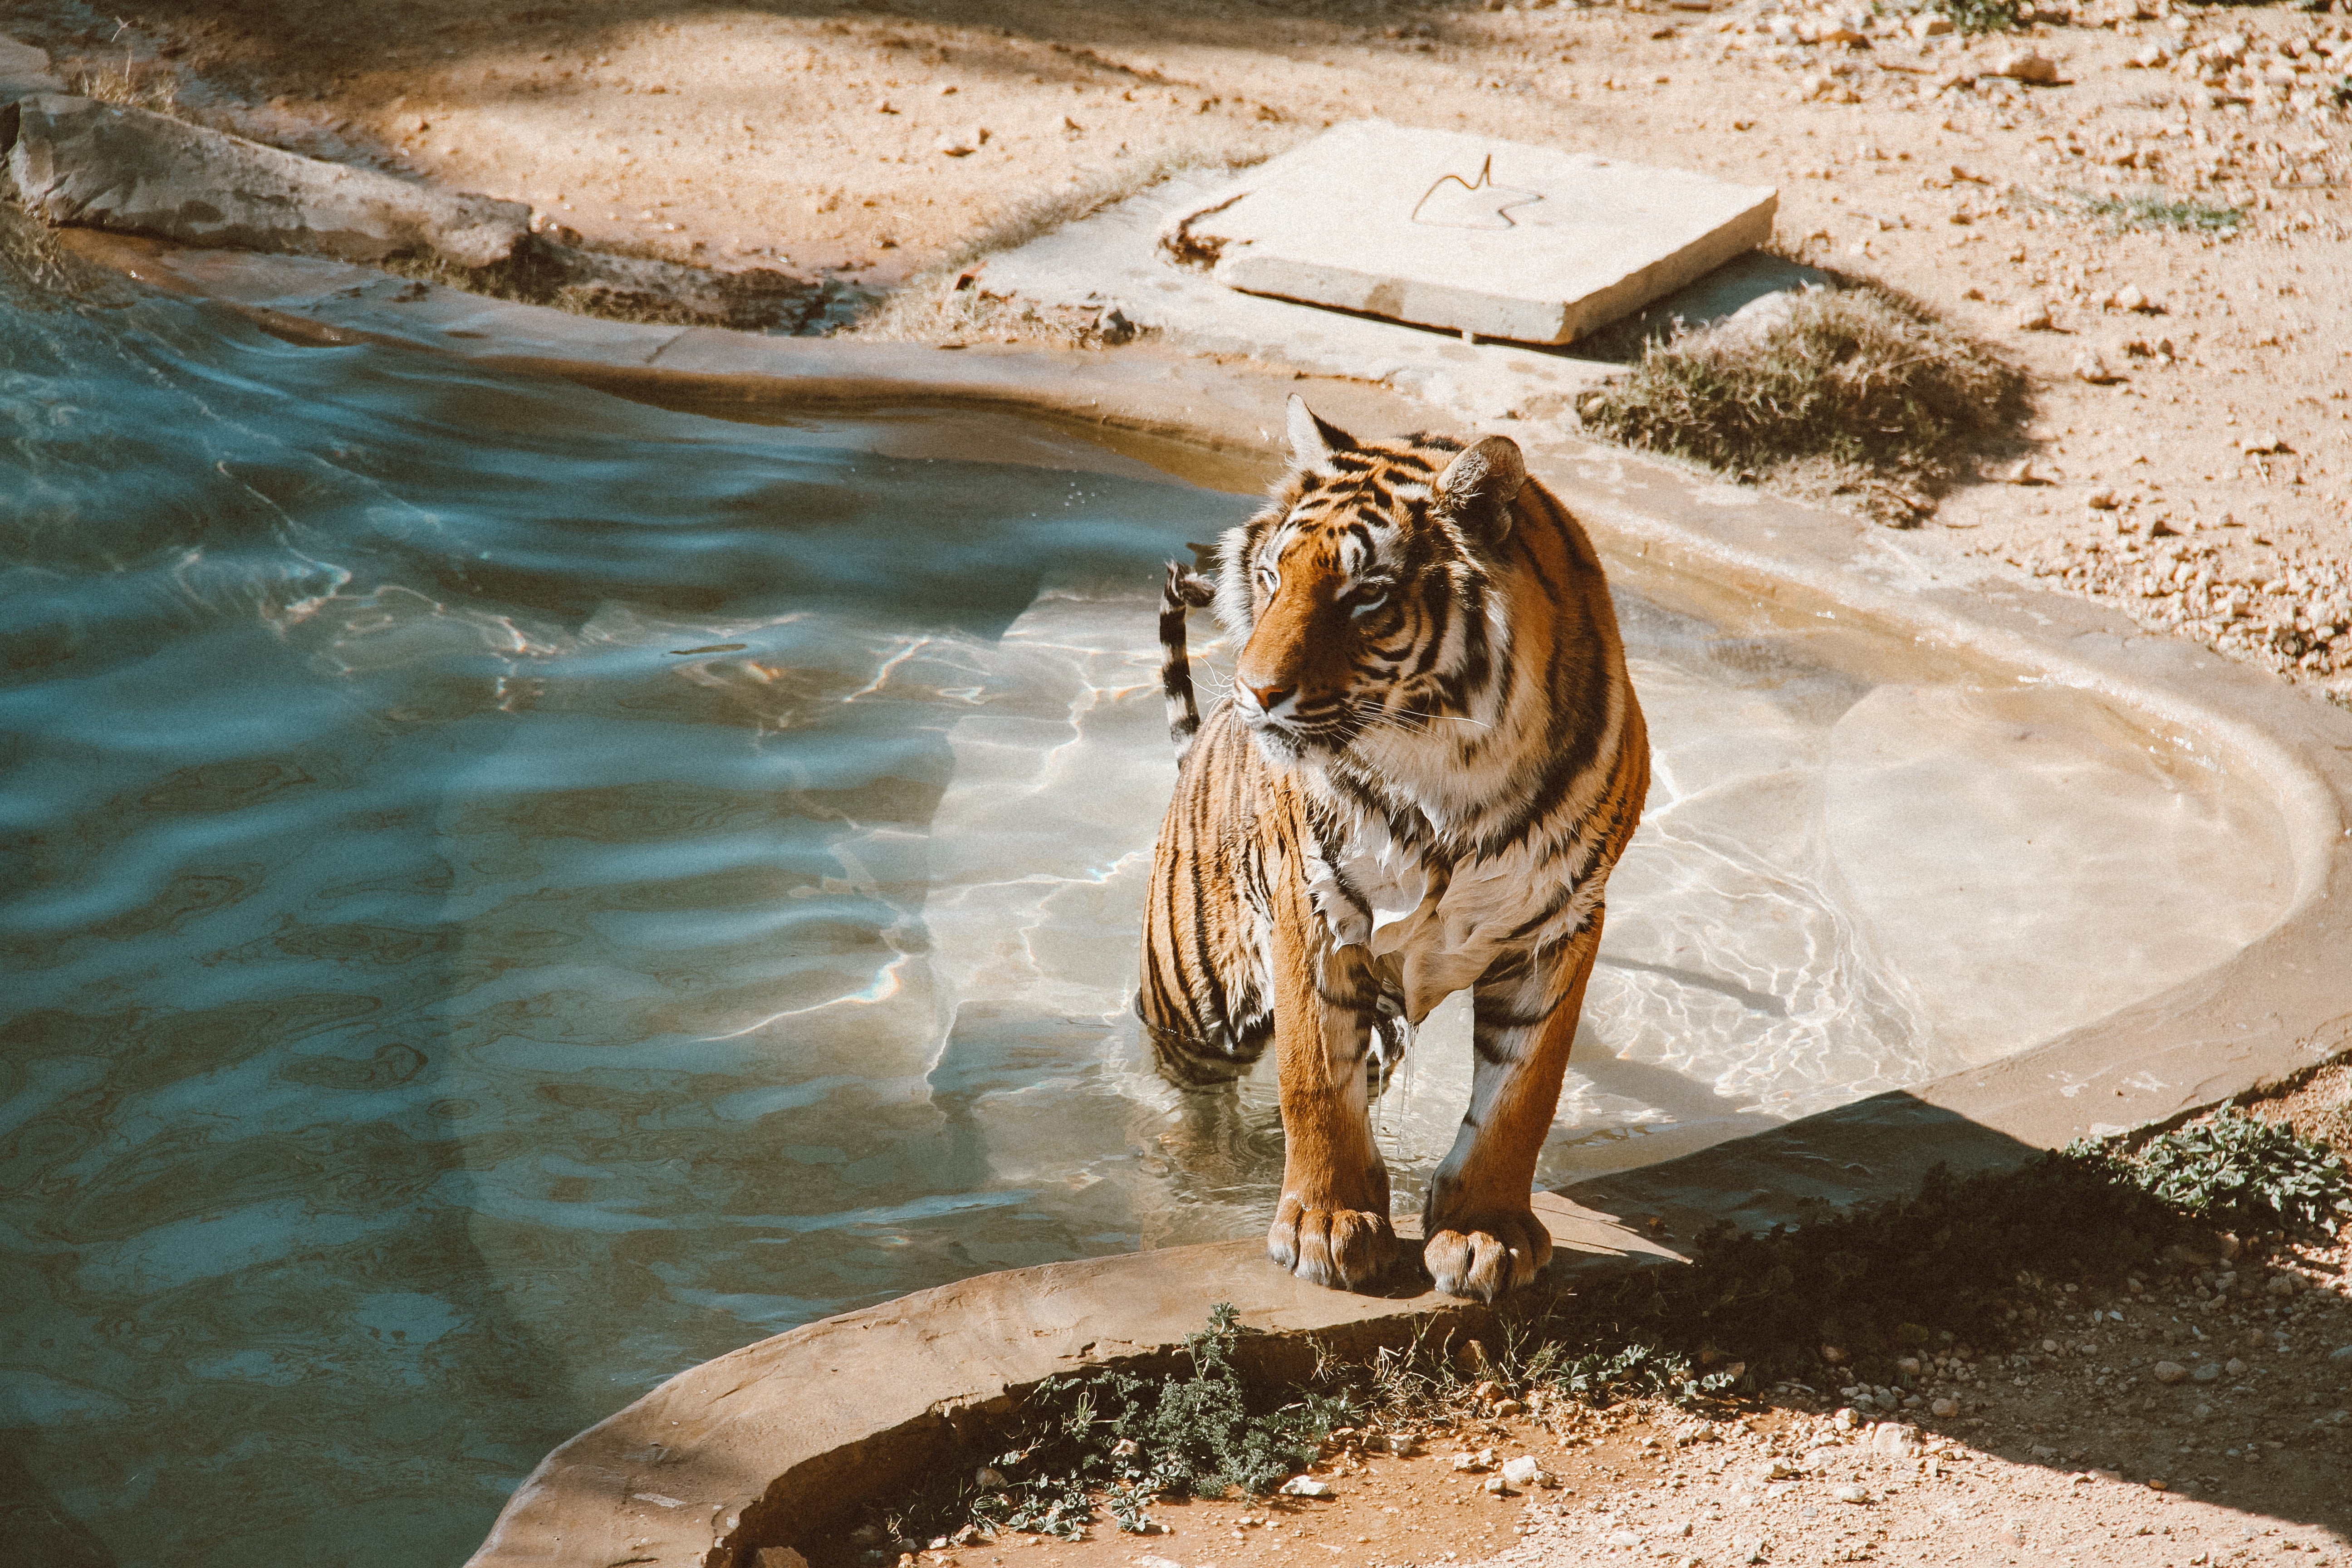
column 1482, row 1237
column 1331, row 1226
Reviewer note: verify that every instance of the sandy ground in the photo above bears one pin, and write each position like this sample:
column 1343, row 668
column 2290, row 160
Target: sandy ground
column 2205, row 488
column 2203, row 483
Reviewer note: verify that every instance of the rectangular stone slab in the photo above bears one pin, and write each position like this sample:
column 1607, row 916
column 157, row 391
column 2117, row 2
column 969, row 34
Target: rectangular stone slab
column 1467, row 233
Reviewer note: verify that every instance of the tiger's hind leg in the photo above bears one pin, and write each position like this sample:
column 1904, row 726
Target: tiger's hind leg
column 1331, row 1226
column 1484, row 1239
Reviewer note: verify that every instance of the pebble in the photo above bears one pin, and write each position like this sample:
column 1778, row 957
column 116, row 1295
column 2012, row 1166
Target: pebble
column 1945, row 1407
column 2028, row 65
column 2235, row 1368
column 2092, row 366
column 1894, row 1441
column 1523, row 1471
column 1624, row 1538
column 1483, row 1459
column 2207, row 1372
column 2341, row 1352
column 2100, row 500
column 1305, row 1486
column 1853, row 1494
column 2168, row 1372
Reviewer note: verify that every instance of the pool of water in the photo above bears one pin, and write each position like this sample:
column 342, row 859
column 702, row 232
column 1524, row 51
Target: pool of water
column 507, row 892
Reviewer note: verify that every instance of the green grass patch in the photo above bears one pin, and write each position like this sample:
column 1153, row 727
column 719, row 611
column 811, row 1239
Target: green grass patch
column 2156, row 211
column 2232, row 1169
column 1116, row 1442
column 1854, row 390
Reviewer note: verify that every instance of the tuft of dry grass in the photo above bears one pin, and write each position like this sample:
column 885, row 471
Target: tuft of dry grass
column 1854, row 391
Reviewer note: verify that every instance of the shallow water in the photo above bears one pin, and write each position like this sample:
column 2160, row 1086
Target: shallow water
column 506, row 893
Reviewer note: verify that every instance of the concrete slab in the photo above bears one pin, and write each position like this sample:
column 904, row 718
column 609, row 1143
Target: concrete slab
column 1459, row 231
column 1114, row 258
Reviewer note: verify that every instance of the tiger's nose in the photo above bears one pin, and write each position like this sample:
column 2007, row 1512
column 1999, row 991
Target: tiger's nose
column 1269, row 696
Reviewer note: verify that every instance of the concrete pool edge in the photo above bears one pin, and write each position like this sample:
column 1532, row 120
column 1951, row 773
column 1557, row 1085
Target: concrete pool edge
column 753, row 1447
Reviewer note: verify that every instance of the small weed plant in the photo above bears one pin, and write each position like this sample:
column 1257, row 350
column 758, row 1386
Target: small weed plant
column 1853, row 386
column 2152, row 211
column 1985, row 16
column 1119, row 1441
column 2232, row 1169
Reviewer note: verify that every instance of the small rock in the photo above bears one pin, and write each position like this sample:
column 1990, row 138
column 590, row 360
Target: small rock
column 1851, row 1493
column 2101, row 500
column 1305, row 1486
column 1483, row 1459
column 1509, row 1407
column 1623, row 1538
column 1945, row 1407
column 1845, row 1419
column 1909, row 1363
column 2147, row 57
column 2207, row 1372
column 988, row 1475
column 2034, row 318
column 2341, row 1352
column 2235, row 1367
column 2092, row 366
column 1894, row 1441
column 1496, row 1486
column 2027, row 66
column 1523, row 1471
column 2168, row 1372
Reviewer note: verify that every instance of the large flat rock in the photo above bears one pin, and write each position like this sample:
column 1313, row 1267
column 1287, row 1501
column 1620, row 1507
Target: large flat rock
column 110, row 165
column 1494, row 238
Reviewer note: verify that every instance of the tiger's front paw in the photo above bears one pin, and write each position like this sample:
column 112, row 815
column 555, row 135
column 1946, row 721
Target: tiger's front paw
column 1345, row 1249
column 1485, row 1257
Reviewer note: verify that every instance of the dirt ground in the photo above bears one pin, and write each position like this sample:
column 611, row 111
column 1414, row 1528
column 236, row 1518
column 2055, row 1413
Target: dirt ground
column 2202, row 482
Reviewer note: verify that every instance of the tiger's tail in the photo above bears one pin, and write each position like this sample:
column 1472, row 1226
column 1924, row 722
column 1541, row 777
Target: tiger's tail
column 1187, row 590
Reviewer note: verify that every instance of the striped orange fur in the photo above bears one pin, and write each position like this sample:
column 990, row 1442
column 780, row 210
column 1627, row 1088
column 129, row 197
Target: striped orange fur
column 1431, row 758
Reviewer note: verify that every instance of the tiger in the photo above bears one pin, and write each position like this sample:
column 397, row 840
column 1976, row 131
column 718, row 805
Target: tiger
column 1428, row 763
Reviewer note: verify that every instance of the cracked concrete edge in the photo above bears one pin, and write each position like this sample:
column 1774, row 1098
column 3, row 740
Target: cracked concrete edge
column 765, row 1445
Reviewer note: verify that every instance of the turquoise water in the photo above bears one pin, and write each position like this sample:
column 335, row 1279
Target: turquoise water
column 385, row 896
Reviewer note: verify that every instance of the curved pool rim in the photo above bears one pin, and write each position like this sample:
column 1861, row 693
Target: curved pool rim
column 768, row 1444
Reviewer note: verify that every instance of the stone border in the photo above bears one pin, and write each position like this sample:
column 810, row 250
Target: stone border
column 765, row 1446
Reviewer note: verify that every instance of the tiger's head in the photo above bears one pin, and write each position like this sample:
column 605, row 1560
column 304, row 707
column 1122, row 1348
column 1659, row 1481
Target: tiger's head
column 1362, row 591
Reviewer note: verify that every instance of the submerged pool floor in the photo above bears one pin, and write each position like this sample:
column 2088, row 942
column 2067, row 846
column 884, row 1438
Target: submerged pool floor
column 507, row 893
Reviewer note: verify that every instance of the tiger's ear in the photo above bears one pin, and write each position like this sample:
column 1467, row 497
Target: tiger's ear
column 1313, row 440
column 1478, row 486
